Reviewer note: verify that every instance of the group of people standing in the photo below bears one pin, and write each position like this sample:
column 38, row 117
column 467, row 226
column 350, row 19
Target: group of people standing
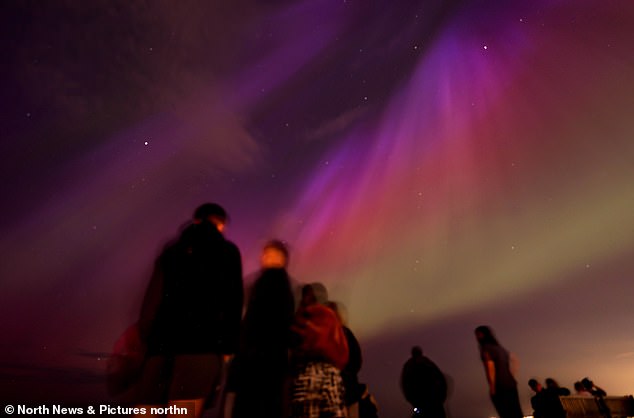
column 277, row 357
column 546, row 403
column 279, row 354
column 500, row 368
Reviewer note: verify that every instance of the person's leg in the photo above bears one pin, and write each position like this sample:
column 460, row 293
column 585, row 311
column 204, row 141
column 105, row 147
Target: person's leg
column 353, row 410
column 228, row 404
column 305, row 393
column 151, row 389
column 331, row 390
column 513, row 404
column 507, row 403
column 194, row 377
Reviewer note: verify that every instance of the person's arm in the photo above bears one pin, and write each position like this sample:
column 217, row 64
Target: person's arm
column 233, row 303
column 489, row 370
column 151, row 301
column 598, row 390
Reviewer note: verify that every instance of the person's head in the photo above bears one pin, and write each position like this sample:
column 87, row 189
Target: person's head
column 308, row 295
column 212, row 213
column 484, row 335
column 314, row 293
column 320, row 291
column 535, row 385
column 579, row 387
column 417, row 351
column 274, row 255
column 551, row 383
column 587, row 383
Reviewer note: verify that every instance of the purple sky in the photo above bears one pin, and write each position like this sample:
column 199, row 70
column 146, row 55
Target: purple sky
column 437, row 164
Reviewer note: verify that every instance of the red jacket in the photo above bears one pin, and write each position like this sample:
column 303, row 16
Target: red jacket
column 321, row 335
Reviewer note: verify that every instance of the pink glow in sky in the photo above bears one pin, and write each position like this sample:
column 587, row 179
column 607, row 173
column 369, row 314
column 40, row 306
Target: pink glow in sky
column 438, row 165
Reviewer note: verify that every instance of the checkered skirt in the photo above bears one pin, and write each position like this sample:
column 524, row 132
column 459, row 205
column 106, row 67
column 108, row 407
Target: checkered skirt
column 318, row 392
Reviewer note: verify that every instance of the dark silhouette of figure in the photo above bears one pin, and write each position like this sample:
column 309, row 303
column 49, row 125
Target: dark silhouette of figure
column 498, row 370
column 598, row 394
column 552, row 385
column 319, row 353
column 580, row 390
column 260, row 371
column 262, row 363
column 350, row 373
column 191, row 314
column 592, row 388
column 545, row 402
column 424, row 386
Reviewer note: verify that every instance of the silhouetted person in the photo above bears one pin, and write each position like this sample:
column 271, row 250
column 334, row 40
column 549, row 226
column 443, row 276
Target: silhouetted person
column 551, row 384
column 598, row 394
column 261, row 369
column 319, row 353
column 545, row 402
column 353, row 390
column 497, row 368
column 424, row 386
column 592, row 388
column 191, row 314
column 580, row 390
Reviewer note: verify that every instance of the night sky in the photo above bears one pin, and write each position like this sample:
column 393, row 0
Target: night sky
column 438, row 164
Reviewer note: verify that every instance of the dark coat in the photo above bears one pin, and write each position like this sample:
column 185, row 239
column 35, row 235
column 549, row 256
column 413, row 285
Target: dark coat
column 259, row 372
column 194, row 301
column 423, row 383
column 546, row 404
column 350, row 373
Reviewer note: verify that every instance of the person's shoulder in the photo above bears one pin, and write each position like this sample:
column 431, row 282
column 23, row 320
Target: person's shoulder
column 230, row 247
column 430, row 363
column 563, row 392
column 318, row 309
column 228, row 243
column 320, row 314
column 170, row 250
column 409, row 364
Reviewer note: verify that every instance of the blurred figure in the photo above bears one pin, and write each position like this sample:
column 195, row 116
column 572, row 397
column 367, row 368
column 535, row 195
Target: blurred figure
column 552, row 385
column 424, row 386
column 320, row 352
column 314, row 293
column 191, row 314
column 581, row 390
column 353, row 390
column 545, row 403
column 592, row 388
column 260, row 371
column 498, row 367
column 274, row 255
column 598, row 393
